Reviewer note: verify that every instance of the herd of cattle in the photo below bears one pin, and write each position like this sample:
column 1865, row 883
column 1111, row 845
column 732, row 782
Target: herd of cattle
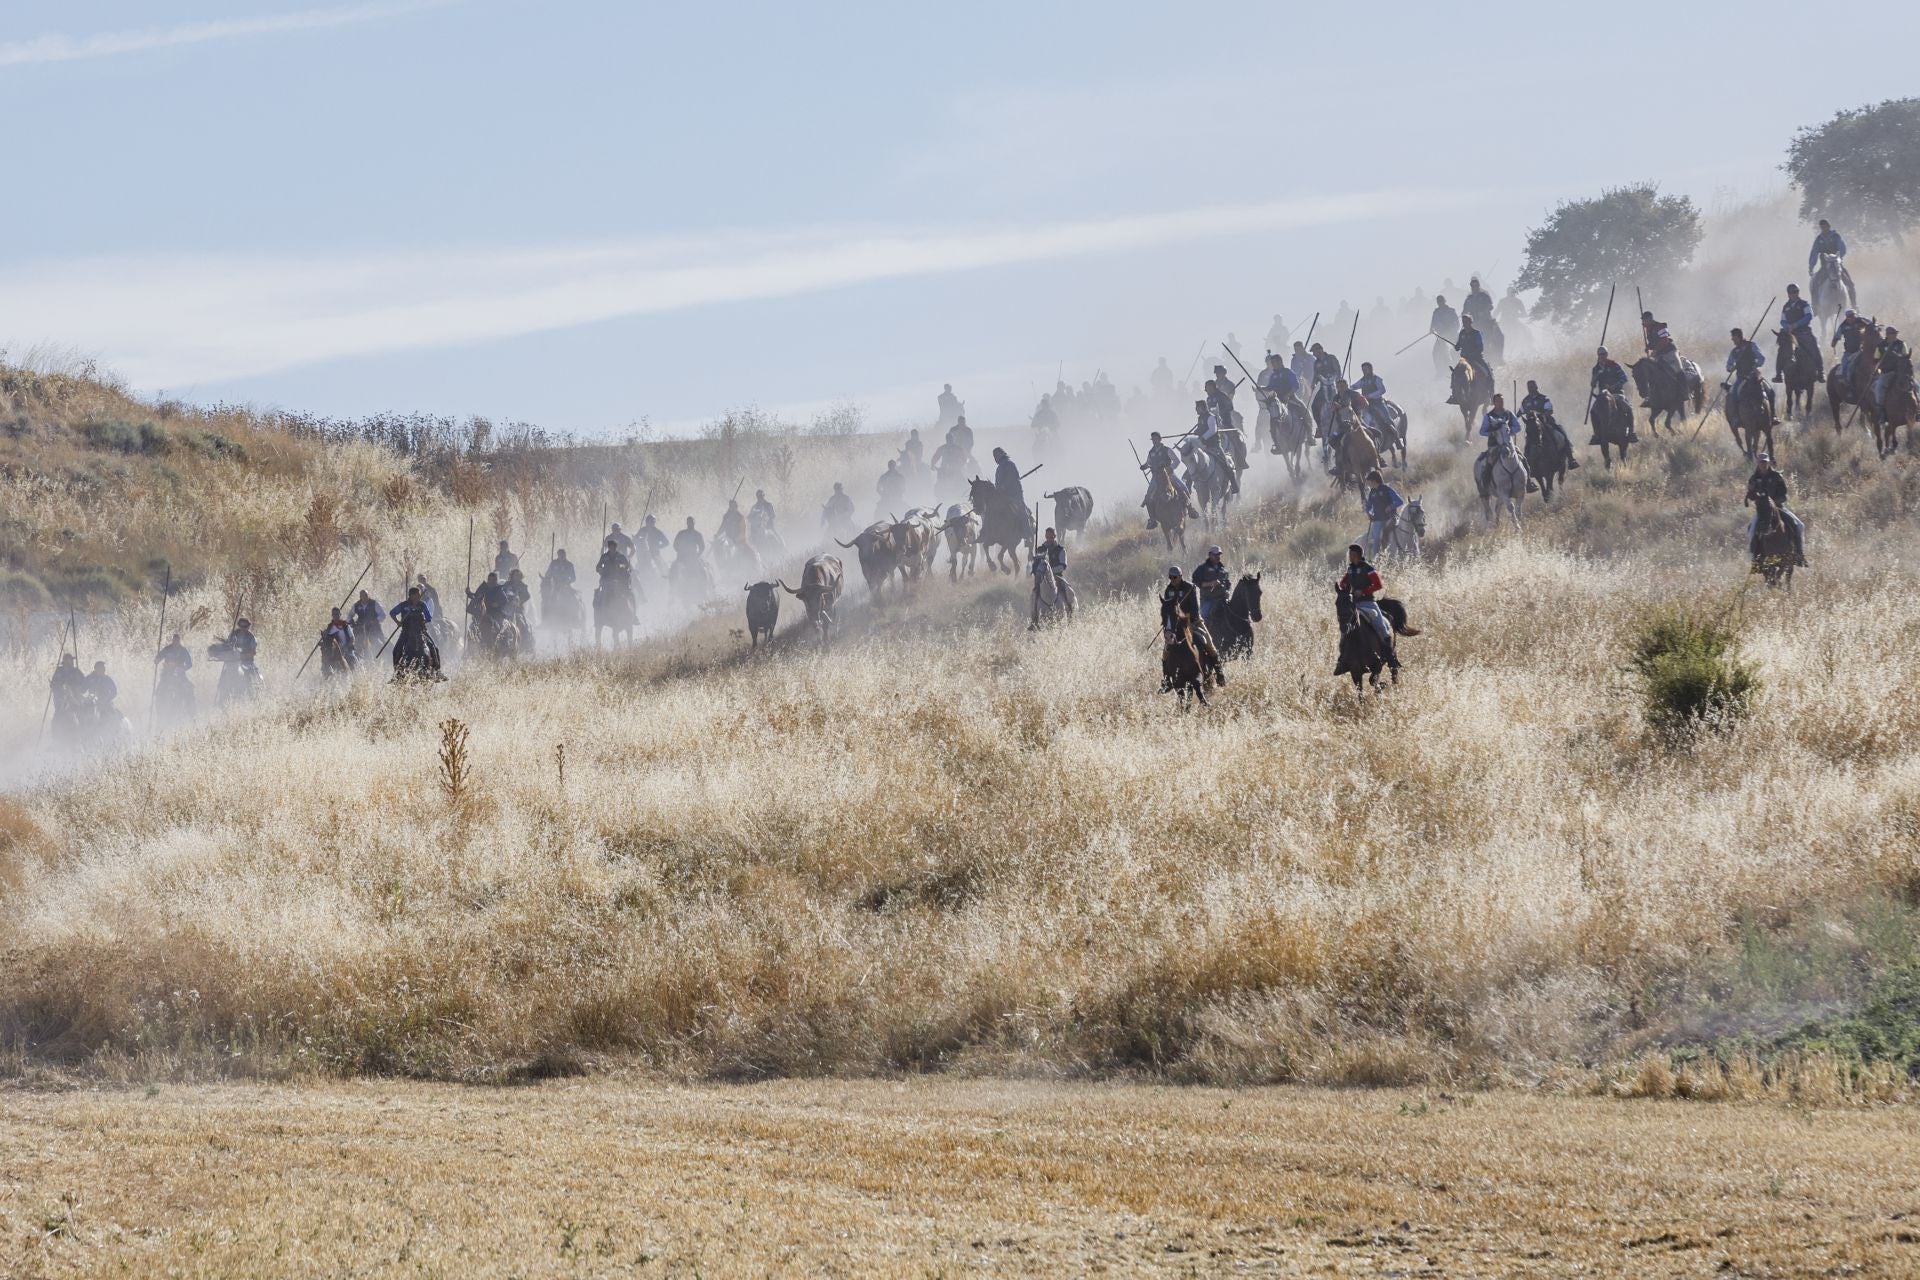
column 899, row 552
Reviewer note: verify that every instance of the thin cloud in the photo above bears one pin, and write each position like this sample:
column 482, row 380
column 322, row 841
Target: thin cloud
column 183, row 320
column 56, row 47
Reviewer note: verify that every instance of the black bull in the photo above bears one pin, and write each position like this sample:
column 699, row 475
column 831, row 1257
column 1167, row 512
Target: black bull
column 1072, row 508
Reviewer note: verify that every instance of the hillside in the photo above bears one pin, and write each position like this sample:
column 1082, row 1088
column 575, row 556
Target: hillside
column 944, row 844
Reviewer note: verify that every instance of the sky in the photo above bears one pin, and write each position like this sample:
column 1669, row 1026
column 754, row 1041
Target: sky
column 592, row 213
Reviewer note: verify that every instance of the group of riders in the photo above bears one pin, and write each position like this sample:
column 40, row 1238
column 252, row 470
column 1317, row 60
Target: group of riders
column 1302, row 393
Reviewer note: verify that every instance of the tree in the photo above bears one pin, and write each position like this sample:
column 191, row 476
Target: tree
column 1626, row 235
column 1861, row 168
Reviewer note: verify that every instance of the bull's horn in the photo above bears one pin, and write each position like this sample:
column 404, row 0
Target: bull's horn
column 786, row 588
column 846, row 546
column 1046, row 495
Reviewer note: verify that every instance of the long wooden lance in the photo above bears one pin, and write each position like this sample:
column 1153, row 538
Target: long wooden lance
column 1585, row 417
column 343, row 604
column 1350, row 336
column 166, row 589
column 44, row 711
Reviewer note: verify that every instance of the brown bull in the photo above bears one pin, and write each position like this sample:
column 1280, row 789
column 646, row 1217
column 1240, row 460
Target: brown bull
column 819, row 591
column 880, row 555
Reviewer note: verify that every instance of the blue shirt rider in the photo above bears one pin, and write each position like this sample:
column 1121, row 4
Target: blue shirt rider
column 1796, row 312
column 1212, row 580
column 1498, row 425
column 1381, row 504
column 1608, row 374
column 1850, row 334
column 1828, row 241
column 1162, row 460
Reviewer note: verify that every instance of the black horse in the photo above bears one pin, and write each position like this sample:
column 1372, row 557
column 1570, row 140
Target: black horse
column 1799, row 367
column 1549, row 453
column 1612, row 425
column 415, row 655
column 1232, row 623
column 1362, row 651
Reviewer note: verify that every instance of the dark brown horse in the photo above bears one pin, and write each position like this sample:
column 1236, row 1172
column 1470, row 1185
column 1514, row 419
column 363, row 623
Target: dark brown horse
column 1902, row 410
column 1183, row 673
column 1612, row 425
column 1856, row 388
column 1800, row 368
column 1772, row 544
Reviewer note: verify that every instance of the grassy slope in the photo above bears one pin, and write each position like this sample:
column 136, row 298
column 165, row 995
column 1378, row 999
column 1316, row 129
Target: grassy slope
column 944, row 844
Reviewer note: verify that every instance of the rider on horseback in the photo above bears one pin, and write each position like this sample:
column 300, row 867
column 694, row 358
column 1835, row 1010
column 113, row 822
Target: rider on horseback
column 1281, row 391
column 1767, row 482
column 689, row 541
column 649, row 540
column 1611, row 378
column 613, row 563
column 1053, row 555
column 1361, row 582
column 1208, row 431
column 559, row 574
column 1896, row 367
column 1160, row 465
column 1536, row 406
column 1008, row 484
column 1382, row 503
column 1183, row 596
column 1851, row 334
column 337, row 656
column 1498, row 425
column 1828, row 241
column 1472, row 346
column 1744, row 362
column 1660, row 345
column 1372, row 388
column 733, row 524
column 1212, row 582
column 760, row 515
column 1301, row 363
column 1445, row 318
column 1796, row 325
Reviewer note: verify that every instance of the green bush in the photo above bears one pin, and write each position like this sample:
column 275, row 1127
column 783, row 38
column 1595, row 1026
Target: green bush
column 1690, row 670
column 117, row 436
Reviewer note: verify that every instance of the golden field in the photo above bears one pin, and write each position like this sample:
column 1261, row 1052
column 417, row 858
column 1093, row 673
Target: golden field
column 942, row 1178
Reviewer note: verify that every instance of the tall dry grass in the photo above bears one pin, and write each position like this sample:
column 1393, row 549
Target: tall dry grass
column 947, row 844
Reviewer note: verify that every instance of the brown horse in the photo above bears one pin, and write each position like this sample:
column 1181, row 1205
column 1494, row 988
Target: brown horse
column 1857, row 387
column 1747, row 417
column 1772, row 545
column 1902, row 410
column 1356, row 456
column 1472, row 391
column 1183, row 671
column 1167, row 509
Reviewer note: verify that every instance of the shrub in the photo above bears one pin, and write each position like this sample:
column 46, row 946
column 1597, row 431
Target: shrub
column 1689, row 665
column 118, row 436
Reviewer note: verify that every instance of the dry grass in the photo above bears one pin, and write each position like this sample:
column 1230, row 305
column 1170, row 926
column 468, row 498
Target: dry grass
column 946, row 845
column 942, row 1178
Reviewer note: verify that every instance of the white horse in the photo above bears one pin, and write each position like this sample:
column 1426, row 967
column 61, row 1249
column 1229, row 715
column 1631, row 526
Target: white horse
column 1501, row 473
column 1405, row 531
column 1832, row 290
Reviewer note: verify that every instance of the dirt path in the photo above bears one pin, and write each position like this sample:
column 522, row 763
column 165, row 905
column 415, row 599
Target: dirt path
column 941, row 1178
